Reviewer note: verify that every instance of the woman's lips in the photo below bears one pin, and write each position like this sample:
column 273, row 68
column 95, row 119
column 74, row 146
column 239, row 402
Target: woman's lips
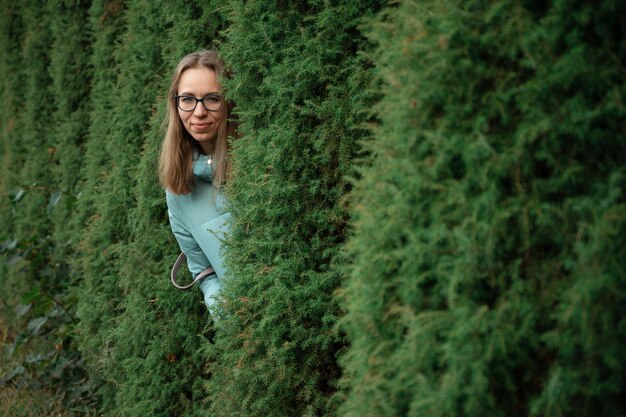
column 201, row 126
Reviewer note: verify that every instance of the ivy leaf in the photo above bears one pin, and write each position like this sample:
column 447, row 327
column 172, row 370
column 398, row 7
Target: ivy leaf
column 8, row 245
column 35, row 358
column 35, row 325
column 22, row 309
column 16, row 195
column 18, row 370
column 54, row 199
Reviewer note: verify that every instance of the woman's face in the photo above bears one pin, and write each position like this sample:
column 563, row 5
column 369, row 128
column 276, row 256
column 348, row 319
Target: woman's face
column 201, row 124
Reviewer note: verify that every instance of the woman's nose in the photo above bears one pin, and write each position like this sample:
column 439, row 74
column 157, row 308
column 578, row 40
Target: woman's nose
column 200, row 110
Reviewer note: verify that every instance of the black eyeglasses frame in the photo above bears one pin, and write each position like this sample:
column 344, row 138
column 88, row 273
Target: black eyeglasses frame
column 199, row 100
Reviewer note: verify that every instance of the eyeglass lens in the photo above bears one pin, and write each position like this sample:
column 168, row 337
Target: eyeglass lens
column 210, row 103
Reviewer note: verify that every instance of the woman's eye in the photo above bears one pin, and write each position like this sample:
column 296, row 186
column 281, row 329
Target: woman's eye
column 211, row 100
column 188, row 100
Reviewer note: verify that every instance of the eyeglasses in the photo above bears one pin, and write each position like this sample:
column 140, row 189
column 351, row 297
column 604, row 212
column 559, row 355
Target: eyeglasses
column 212, row 102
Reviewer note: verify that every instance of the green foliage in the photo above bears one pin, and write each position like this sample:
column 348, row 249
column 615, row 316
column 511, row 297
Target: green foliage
column 483, row 272
column 127, row 63
column 10, row 39
column 20, row 403
column 70, row 83
column 300, row 93
column 487, row 268
column 97, row 292
column 38, row 351
column 158, row 333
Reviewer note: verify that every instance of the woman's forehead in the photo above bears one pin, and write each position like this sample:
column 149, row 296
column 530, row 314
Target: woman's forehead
column 198, row 81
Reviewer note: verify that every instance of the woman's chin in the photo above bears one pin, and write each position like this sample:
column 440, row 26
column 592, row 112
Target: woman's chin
column 203, row 137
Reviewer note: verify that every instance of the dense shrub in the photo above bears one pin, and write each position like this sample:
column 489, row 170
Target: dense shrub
column 427, row 210
column 96, row 276
column 487, row 263
column 300, row 90
column 43, row 118
column 157, row 339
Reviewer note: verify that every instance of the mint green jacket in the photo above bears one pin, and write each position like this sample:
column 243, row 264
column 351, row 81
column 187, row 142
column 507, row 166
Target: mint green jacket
column 198, row 222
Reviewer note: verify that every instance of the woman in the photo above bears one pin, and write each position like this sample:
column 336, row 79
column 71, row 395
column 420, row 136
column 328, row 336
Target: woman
column 194, row 166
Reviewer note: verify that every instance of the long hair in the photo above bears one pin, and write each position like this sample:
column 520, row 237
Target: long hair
column 176, row 160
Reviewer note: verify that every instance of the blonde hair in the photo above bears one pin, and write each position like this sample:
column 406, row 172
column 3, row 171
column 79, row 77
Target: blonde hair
column 176, row 160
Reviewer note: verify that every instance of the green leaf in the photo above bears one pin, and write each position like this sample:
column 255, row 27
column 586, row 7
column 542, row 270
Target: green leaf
column 18, row 370
column 54, row 199
column 22, row 309
column 35, row 325
column 16, row 195
column 8, row 245
column 31, row 296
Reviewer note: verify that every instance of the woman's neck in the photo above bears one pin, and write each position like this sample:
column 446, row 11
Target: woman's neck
column 207, row 148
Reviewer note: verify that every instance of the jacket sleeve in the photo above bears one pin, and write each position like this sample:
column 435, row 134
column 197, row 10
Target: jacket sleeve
column 196, row 259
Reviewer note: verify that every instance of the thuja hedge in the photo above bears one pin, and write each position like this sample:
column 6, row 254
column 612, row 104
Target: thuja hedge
column 157, row 340
column 96, row 275
column 25, row 173
column 302, row 92
column 9, row 46
column 44, row 114
column 484, row 270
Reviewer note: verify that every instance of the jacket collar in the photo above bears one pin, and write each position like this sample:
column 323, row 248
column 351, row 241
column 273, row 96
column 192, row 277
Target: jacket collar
column 203, row 167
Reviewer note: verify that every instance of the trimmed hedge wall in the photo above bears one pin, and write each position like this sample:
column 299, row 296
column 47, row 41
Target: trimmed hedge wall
column 486, row 272
column 301, row 91
column 428, row 209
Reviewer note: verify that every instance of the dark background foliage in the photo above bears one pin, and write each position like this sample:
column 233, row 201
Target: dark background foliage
column 428, row 210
